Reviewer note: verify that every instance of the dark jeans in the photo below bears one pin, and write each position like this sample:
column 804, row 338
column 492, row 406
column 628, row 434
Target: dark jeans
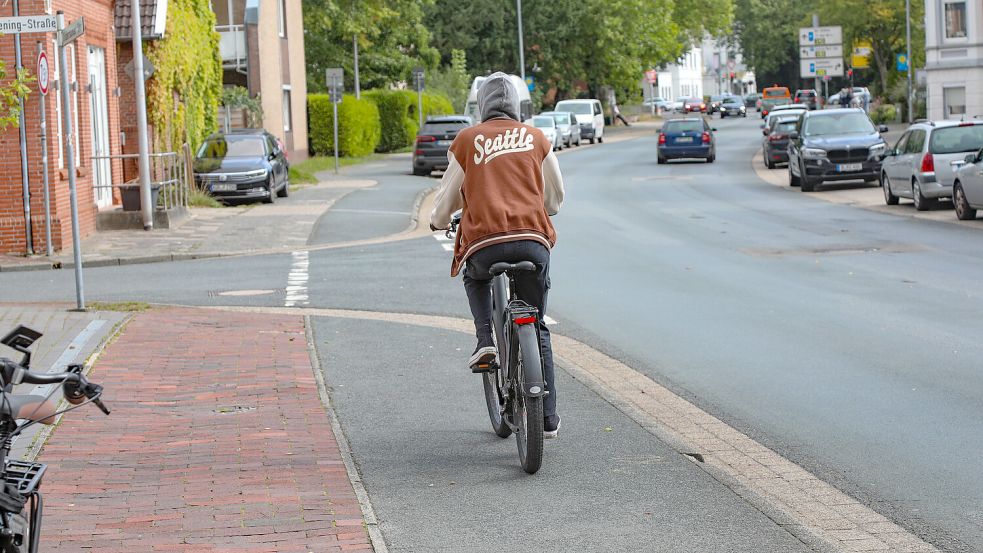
column 531, row 287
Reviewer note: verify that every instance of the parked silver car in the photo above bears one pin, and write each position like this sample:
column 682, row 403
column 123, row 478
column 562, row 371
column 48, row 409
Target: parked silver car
column 547, row 124
column 567, row 127
column 922, row 164
column 967, row 189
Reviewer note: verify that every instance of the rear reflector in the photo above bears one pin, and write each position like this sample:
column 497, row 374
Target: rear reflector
column 524, row 320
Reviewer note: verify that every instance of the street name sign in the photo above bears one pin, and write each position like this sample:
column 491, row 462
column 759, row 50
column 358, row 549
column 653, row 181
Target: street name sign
column 819, row 67
column 28, row 24
column 43, row 73
column 828, row 51
column 820, row 36
column 71, row 33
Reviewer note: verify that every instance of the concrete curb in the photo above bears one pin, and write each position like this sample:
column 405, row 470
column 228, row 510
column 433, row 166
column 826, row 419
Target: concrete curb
column 418, row 204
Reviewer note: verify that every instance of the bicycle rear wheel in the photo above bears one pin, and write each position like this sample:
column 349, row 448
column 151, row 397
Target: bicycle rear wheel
column 528, row 411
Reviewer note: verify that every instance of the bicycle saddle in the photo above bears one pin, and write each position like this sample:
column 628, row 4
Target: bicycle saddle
column 504, row 266
column 28, row 407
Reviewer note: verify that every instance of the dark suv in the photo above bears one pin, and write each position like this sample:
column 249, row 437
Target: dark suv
column 430, row 153
column 834, row 145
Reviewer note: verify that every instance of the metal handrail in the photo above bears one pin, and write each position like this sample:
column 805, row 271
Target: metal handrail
column 169, row 172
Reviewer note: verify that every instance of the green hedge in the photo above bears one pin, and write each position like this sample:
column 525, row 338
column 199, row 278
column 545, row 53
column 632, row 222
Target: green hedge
column 883, row 114
column 358, row 126
column 398, row 130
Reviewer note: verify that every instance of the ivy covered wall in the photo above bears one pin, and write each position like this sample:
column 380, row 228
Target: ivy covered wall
column 184, row 92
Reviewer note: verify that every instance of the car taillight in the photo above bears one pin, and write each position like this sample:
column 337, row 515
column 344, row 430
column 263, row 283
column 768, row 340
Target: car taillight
column 706, row 138
column 967, row 124
column 425, row 139
column 777, row 137
column 703, row 106
column 418, row 153
column 662, row 138
column 928, row 164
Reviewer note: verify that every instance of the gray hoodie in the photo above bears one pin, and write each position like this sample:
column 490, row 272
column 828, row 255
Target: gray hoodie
column 497, row 98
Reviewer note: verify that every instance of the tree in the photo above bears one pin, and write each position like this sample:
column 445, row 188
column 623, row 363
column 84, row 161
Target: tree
column 767, row 33
column 10, row 95
column 391, row 37
column 883, row 23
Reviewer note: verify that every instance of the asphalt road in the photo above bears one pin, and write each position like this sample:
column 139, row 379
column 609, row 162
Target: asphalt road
column 842, row 338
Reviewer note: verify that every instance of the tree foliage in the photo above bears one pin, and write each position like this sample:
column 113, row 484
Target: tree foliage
column 10, row 94
column 392, row 39
column 767, row 33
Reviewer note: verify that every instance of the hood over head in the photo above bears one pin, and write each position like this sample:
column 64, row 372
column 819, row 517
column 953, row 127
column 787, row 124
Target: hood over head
column 498, row 98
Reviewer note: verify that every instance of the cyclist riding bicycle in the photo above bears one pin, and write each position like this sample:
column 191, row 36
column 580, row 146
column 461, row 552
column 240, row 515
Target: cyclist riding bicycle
column 505, row 179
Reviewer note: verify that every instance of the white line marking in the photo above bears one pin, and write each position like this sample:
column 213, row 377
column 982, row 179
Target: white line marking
column 442, row 237
column 371, row 211
column 448, row 247
column 297, row 280
column 549, row 320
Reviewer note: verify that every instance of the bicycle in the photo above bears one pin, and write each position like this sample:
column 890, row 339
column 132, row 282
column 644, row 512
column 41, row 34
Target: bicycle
column 21, row 503
column 515, row 386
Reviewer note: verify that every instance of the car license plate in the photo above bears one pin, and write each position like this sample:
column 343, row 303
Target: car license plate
column 223, row 187
column 684, row 140
column 444, row 142
column 847, row 167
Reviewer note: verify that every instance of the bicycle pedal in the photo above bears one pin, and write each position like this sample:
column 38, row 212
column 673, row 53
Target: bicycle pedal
column 484, row 367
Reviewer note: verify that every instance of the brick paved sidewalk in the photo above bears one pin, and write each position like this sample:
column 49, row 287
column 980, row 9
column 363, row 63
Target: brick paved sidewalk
column 217, row 442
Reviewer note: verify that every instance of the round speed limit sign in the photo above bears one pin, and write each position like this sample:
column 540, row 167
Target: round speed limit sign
column 43, row 73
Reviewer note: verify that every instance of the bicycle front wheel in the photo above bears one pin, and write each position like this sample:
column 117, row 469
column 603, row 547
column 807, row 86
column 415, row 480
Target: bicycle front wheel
column 528, row 411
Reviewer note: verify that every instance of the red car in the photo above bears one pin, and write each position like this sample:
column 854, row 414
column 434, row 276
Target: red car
column 691, row 105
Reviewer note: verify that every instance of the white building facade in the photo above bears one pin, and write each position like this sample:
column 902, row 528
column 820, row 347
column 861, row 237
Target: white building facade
column 954, row 58
column 724, row 71
column 684, row 78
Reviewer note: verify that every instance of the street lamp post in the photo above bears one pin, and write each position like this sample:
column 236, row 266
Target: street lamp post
column 907, row 20
column 522, row 52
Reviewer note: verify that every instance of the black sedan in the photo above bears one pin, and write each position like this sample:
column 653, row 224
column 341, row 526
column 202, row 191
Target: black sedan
column 834, row 145
column 732, row 106
column 775, row 144
column 430, row 152
column 242, row 165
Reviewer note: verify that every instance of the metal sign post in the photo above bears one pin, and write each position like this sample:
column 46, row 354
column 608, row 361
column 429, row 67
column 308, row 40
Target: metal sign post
column 66, row 115
column 418, row 77
column 336, row 83
column 44, row 78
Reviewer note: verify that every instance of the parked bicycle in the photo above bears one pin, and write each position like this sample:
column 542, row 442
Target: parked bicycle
column 515, row 386
column 20, row 499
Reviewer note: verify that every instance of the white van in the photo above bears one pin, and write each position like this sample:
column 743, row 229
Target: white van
column 525, row 102
column 588, row 114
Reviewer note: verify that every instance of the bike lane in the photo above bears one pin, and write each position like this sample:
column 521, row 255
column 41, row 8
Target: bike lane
column 217, row 442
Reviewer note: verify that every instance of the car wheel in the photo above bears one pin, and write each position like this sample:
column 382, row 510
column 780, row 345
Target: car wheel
column 806, row 183
column 711, row 157
column 921, row 202
column 768, row 163
column 889, row 197
column 661, row 160
column 963, row 211
column 271, row 192
column 421, row 172
column 792, row 179
column 284, row 191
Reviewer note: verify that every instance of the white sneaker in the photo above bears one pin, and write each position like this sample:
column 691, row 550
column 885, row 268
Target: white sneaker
column 482, row 358
column 550, row 434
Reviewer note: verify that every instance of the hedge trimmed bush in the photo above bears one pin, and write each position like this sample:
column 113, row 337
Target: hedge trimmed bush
column 398, row 130
column 883, row 114
column 358, row 126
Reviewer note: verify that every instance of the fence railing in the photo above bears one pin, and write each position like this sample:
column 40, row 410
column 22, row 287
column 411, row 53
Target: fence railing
column 170, row 175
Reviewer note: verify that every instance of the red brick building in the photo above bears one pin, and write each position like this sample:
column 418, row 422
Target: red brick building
column 91, row 64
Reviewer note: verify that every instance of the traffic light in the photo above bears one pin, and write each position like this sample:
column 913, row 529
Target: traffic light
column 731, row 74
column 849, row 73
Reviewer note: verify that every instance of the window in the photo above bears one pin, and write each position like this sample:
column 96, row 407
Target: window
column 73, row 100
column 954, row 102
column 955, row 19
column 281, row 17
column 686, row 90
column 286, row 110
column 916, row 142
column 902, row 142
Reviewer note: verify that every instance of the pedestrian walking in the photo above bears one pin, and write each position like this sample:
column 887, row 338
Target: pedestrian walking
column 617, row 115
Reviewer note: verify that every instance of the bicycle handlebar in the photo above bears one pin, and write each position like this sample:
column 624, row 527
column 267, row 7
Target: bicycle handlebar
column 75, row 386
